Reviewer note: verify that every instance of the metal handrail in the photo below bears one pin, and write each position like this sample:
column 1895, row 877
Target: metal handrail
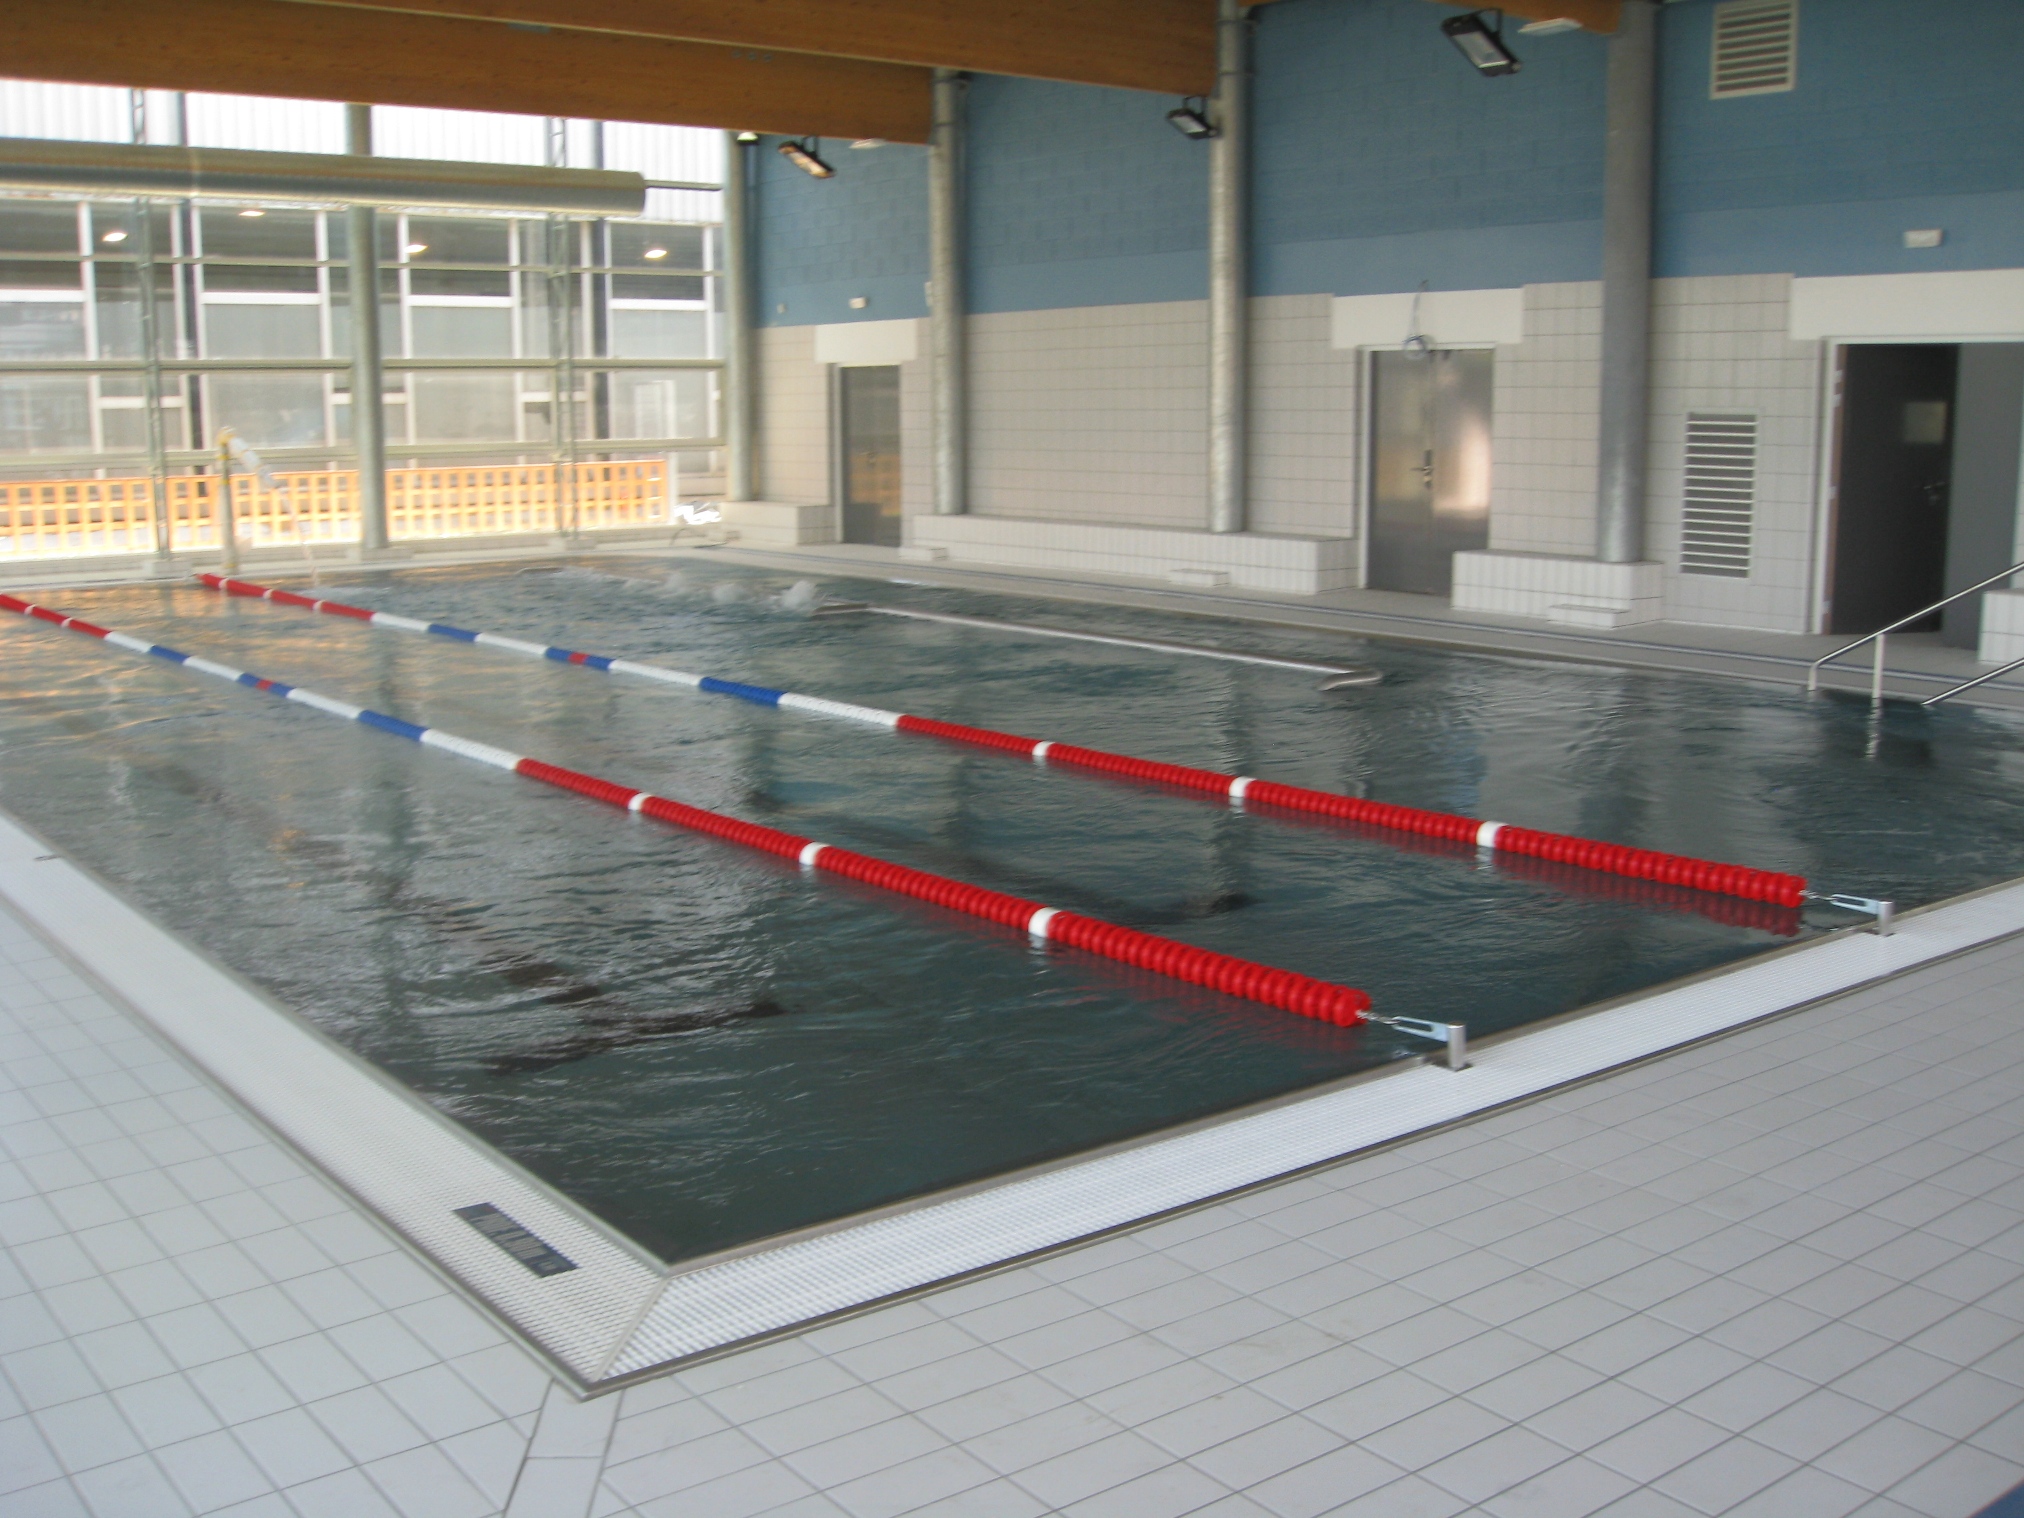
column 1882, row 633
column 1971, row 684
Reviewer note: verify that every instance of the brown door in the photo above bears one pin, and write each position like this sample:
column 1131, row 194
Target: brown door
column 869, row 403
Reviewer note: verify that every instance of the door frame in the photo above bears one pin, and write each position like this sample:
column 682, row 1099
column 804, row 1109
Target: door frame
column 839, row 452
column 1365, row 458
column 1827, row 447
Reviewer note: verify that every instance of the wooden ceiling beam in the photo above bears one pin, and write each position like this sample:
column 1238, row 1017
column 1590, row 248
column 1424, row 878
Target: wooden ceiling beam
column 1167, row 46
column 317, row 52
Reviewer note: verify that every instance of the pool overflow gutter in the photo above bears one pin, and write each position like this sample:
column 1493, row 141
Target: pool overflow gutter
column 1303, row 995
column 1489, row 838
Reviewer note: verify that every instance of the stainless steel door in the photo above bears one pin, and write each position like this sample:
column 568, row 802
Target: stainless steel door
column 869, row 403
column 1430, row 465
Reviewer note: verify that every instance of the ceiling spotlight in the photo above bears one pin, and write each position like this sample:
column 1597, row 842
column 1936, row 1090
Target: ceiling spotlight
column 864, row 143
column 1480, row 44
column 1191, row 119
column 251, row 212
column 655, row 253
column 417, row 247
column 114, row 236
column 804, row 157
column 748, row 137
column 1549, row 28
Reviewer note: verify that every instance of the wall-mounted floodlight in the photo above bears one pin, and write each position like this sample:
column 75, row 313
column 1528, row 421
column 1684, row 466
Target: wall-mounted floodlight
column 1191, row 119
column 804, row 157
column 1480, row 43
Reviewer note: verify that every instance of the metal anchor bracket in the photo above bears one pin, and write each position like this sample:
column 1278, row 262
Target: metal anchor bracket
column 1885, row 912
column 1454, row 1035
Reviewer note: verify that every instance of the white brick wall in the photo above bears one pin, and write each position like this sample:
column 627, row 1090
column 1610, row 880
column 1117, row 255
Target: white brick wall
column 1720, row 344
column 1099, row 414
column 1305, row 453
column 793, row 417
column 1096, row 413
column 1543, row 425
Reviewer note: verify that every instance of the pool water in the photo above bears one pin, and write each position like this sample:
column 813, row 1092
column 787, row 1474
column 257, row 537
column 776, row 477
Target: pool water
column 707, row 1047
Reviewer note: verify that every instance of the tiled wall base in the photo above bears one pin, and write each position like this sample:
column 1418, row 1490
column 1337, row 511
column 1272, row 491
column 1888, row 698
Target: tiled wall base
column 1572, row 592
column 2002, row 626
column 1299, row 566
column 777, row 524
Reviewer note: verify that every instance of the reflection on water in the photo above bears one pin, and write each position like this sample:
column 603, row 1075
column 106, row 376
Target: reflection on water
column 706, row 1046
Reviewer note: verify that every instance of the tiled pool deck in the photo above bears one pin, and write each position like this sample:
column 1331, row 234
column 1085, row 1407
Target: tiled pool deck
column 1781, row 1273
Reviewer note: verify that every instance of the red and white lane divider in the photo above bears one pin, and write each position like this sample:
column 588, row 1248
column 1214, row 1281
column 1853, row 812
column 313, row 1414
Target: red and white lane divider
column 1290, row 992
column 1490, row 837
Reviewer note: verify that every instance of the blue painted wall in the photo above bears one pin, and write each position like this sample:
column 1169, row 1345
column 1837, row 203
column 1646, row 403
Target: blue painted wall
column 820, row 242
column 1904, row 116
column 1382, row 160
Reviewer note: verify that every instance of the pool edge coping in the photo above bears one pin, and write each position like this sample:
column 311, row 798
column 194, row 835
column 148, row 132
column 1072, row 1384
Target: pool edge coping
column 653, row 1317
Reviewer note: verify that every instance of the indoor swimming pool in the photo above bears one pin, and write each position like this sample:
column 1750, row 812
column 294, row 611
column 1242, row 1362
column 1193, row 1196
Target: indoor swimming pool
column 707, row 1046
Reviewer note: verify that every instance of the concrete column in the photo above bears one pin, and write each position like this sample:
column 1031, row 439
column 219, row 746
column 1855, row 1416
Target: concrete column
column 1629, row 112
column 948, row 306
column 739, row 475
column 368, row 416
column 1229, row 268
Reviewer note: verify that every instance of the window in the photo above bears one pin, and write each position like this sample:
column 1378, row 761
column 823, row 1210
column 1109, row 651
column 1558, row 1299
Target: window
column 1756, row 49
column 1721, row 495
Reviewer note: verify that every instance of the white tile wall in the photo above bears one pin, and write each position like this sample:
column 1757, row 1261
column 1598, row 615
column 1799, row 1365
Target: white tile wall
column 2002, row 626
column 1720, row 344
column 1305, row 453
column 1543, row 425
column 779, row 524
column 1576, row 591
column 1098, row 415
column 793, row 417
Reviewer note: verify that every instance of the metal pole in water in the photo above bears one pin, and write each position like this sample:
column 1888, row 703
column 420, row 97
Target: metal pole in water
column 1229, row 274
column 1876, row 673
column 739, row 475
column 151, row 347
column 1626, row 286
column 368, row 416
column 948, row 303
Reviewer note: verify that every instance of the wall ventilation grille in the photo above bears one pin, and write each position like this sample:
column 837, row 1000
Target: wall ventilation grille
column 1721, row 495
column 1756, row 47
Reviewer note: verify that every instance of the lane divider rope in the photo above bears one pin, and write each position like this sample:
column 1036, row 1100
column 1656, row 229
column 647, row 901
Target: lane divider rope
column 1490, row 837
column 1287, row 990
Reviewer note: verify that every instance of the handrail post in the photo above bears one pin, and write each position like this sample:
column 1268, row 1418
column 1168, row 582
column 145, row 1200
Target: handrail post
column 1876, row 684
column 228, row 525
column 1876, row 671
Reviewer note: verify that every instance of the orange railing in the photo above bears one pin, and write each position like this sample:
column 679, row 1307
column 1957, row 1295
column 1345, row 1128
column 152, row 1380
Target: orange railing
column 65, row 517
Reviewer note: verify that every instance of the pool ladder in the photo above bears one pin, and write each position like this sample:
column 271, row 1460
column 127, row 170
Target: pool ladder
column 1882, row 634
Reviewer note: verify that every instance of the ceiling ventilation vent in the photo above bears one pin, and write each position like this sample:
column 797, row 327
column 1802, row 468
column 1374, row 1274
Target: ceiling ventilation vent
column 1756, row 47
column 1721, row 495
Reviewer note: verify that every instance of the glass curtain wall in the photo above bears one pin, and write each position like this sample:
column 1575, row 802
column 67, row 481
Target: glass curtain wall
column 132, row 334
